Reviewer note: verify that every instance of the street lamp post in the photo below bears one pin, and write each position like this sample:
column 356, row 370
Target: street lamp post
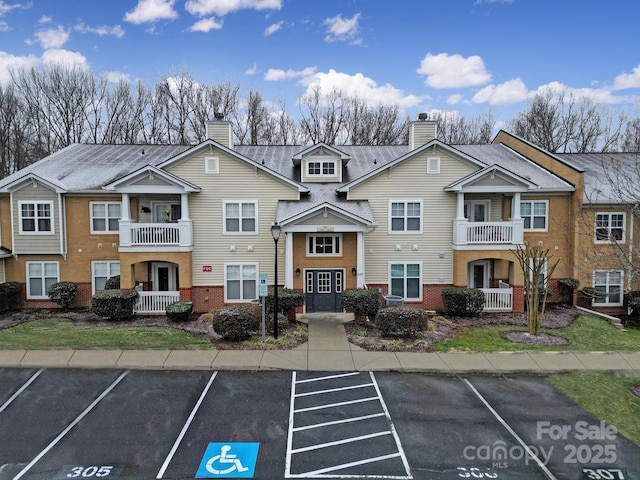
column 275, row 233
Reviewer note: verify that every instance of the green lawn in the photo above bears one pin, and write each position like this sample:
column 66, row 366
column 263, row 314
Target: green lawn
column 607, row 396
column 61, row 333
column 587, row 333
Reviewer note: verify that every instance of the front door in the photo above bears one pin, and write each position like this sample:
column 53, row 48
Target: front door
column 479, row 274
column 164, row 277
column 323, row 289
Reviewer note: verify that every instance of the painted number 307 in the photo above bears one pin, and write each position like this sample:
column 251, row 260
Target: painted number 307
column 603, row 473
column 89, row 472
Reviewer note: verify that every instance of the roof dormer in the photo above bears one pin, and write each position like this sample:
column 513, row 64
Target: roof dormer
column 321, row 163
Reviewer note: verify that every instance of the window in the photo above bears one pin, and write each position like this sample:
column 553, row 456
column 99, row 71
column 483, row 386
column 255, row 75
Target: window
column 211, row 165
column 433, row 164
column 405, row 280
column 406, row 216
column 241, row 282
column 534, row 214
column 240, row 217
column 36, row 217
column 326, row 168
column 102, row 271
column 40, row 276
column 610, row 227
column 609, row 286
column 539, row 263
column 104, row 217
column 324, row 245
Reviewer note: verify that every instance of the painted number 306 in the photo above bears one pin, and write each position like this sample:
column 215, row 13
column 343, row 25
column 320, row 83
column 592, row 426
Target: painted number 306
column 89, row 472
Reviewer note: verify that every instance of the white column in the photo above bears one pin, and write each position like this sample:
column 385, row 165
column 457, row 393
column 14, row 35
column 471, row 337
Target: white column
column 515, row 206
column 184, row 206
column 288, row 260
column 360, row 261
column 125, row 211
column 460, row 205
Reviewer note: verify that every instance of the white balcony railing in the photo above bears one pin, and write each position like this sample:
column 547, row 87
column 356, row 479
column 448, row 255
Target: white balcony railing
column 155, row 303
column 488, row 233
column 134, row 234
column 498, row 299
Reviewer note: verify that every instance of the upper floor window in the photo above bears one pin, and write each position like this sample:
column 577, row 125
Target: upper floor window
column 105, row 217
column 609, row 286
column 610, row 227
column 40, row 276
column 240, row 217
column 325, row 168
column 406, row 216
column 534, row 214
column 36, row 217
column 324, row 245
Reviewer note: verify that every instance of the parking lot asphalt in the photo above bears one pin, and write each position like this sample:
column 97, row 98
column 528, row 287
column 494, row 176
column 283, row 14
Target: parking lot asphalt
column 136, row 424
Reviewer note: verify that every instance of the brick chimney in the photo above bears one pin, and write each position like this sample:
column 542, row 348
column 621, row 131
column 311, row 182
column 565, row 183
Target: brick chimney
column 219, row 130
column 422, row 131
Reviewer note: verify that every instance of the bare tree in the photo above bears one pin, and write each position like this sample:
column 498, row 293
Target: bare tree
column 382, row 125
column 322, row 116
column 455, row 129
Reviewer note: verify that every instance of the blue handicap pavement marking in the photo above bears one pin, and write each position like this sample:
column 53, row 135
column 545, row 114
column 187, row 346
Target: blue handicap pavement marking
column 229, row 460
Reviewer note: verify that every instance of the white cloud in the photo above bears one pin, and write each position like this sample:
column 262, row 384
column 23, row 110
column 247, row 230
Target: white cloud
column 627, row 80
column 206, row 25
column 455, row 99
column 52, row 38
column 4, row 26
column 507, row 93
column 362, row 87
column 223, row 7
column 149, row 11
column 65, row 57
column 45, row 19
column 115, row 76
column 6, row 8
column 102, row 30
column 9, row 61
column 252, row 71
column 343, row 29
column 275, row 75
column 453, row 71
column 271, row 29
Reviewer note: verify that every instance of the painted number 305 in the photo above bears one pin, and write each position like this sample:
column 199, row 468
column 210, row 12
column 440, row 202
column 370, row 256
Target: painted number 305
column 91, row 471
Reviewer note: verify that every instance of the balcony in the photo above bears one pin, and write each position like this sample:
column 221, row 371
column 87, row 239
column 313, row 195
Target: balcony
column 155, row 303
column 498, row 299
column 497, row 234
column 159, row 237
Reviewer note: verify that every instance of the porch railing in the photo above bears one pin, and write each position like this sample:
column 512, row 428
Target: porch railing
column 155, row 234
column 155, row 303
column 495, row 233
column 498, row 299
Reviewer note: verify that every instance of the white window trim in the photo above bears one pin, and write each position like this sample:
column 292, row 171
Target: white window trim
column 224, row 217
column 433, row 165
column 332, row 161
column 405, row 231
column 405, row 263
column 107, row 231
column 93, row 271
column 314, row 235
column 546, row 215
column 36, row 203
column 45, row 296
column 240, row 264
column 212, row 165
column 609, row 241
column 606, row 303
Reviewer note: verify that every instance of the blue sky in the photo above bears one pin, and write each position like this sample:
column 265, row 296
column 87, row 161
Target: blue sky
column 469, row 56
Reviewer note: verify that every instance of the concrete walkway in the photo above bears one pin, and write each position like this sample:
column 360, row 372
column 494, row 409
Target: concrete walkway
column 326, row 350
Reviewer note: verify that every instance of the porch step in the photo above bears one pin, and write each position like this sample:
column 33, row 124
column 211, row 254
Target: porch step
column 338, row 316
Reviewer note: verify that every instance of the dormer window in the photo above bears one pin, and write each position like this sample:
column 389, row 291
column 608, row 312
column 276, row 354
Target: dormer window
column 324, row 168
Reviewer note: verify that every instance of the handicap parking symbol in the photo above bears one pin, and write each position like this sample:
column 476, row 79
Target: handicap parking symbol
column 229, row 460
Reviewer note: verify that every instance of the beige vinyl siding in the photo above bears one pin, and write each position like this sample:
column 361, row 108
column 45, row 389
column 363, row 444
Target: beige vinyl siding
column 321, row 158
column 236, row 181
column 36, row 243
column 409, row 180
column 495, row 204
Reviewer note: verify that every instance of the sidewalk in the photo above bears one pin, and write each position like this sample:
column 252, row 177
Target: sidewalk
column 326, row 350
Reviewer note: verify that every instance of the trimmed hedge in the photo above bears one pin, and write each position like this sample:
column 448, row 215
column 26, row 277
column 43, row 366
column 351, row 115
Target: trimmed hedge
column 114, row 304
column 463, row 302
column 179, row 311
column 403, row 322
column 633, row 302
column 63, row 293
column 288, row 300
column 361, row 301
column 10, row 296
column 112, row 283
column 237, row 322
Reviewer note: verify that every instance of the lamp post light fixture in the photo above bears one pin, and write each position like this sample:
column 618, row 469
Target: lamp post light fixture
column 275, row 233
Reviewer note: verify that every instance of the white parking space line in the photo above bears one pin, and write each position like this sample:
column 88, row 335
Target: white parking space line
column 62, row 434
column 20, row 390
column 388, row 430
column 183, row 432
column 526, row 447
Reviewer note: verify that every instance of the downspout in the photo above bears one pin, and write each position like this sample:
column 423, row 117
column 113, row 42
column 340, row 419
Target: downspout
column 63, row 225
column 630, row 266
